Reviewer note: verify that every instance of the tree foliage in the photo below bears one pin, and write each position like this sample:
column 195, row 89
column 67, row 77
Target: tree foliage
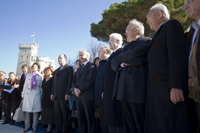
column 116, row 18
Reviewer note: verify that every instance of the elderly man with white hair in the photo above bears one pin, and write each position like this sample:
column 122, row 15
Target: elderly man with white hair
column 131, row 79
column 111, row 109
column 167, row 102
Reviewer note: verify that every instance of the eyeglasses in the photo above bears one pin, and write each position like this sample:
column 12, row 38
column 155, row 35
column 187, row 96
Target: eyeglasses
column 187, row 3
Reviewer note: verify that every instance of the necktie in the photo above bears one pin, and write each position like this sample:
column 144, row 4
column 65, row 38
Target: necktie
column 82, row 66
column 23, row 76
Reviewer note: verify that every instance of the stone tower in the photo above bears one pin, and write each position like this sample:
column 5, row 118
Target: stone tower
column 26, row 53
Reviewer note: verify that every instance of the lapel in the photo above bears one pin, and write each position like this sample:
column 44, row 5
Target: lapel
column 189, row 38
column 157, row 32
column 60, row 71
column 80, row 72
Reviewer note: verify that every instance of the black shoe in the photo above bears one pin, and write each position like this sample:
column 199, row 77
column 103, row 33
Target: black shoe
column 12, row 122
column 71, row 130
column 26, row 130
column 5, row 123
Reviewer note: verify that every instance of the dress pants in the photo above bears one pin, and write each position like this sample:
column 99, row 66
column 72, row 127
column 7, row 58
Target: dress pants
column 116, row 129
column 104, row 128
column 133, row 117
column 85, row 114
column 197, row 105
column 14, row 105
column 28, row 120
column 61, row 115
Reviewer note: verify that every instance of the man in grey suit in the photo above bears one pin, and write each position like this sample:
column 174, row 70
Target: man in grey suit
column 83, row 86
column 62, row 81
column 131, row 81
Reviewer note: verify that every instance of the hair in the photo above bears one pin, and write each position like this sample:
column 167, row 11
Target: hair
column 85, row 52
column 48, row 68
column 137, row 24
column 12, row 73
column 107, row 49
column 23, row 66
column 161, row 8
column 52, row 64
column 2, row 73
column 80, row 63
column 96, row 59
column 38, row 65
column 117, row 36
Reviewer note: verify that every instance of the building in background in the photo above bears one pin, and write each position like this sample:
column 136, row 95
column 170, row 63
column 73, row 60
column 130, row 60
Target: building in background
column 28, row 54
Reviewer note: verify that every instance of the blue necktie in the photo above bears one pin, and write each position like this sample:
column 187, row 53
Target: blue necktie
column 82, row 67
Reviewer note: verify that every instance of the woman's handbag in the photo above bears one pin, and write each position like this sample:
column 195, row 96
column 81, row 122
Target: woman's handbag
column 19, row 115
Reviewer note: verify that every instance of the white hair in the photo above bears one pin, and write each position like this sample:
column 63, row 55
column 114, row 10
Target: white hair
column 85, row 52
column 137, row 24
column 163, row 9
column 117, row 36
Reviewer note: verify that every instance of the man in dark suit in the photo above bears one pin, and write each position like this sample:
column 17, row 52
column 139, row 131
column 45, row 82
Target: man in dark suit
column 83, row 86
column 112, row 113
column 62, row 81
column 22, row 79
column 11, row 99
column 131, row 80
column 104, row 53
column 193, row 41
column 167, row 102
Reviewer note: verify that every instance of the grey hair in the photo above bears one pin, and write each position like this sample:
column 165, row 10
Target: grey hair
column 163, row 9
column 85, row 52
column 137, row 24
column 107, row 49
column 116, row 36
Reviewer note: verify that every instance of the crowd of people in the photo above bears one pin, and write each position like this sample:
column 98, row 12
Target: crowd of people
column 151, row 85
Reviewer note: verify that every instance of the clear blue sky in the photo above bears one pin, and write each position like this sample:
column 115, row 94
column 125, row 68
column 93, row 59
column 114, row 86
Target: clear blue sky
column 60, row 26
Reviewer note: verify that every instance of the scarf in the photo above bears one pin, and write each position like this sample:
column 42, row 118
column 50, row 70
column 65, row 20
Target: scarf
column 34, row 81
column 193, row 79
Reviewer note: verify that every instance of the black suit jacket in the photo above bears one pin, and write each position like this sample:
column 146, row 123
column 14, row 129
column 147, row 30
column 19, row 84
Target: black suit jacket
column 168, row 68
column 84, row 81
column 62, row 82
column 131, row 81
column 21, row 84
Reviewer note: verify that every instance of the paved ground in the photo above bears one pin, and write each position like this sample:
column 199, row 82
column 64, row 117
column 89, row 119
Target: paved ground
column 7, row 128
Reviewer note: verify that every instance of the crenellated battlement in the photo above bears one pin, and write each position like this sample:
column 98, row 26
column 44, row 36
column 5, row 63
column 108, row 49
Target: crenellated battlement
column 29, row 46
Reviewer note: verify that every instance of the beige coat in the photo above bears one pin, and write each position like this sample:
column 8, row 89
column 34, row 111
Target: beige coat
column 32, row 98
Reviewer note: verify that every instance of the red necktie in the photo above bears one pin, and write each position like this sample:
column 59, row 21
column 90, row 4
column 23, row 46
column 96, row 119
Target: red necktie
column 23, row 76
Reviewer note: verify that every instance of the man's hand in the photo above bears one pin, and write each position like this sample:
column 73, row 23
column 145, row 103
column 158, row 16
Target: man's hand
column 52, row 98
column 66, row 97
column 176, row 95
column 77, row 92
column 126, row 64
column 15, row 86
column 102, row 95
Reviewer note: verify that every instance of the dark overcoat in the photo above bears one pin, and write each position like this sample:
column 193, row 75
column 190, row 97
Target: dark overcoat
column 168, row 68
column 112, row 114
column 131, row 81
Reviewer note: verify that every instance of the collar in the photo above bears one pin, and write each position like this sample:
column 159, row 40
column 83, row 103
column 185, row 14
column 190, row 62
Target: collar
column 115, row 50
column 85, row 63
column 196, row 26
column 161, row 25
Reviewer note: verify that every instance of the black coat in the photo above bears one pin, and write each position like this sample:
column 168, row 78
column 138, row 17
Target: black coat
column 21, row 84
column 168, row 68
column 131, row 81
column 112, row 114
column 46, row 93
column 84, row 81
column 62, row 82
column 99, row 82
